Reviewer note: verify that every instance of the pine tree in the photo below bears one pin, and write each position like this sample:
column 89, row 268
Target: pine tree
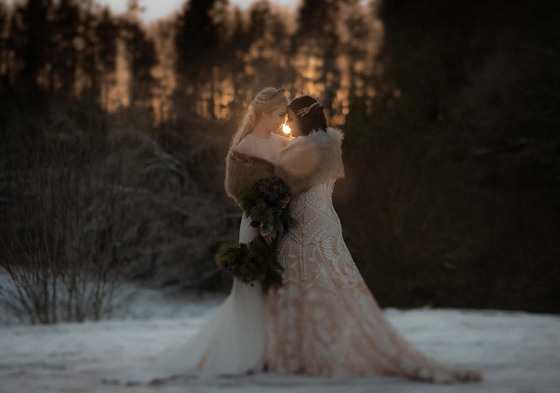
column 105, row 33
column 141, row 55
column 144, row 58
column 317, row 36
column 63, row 53
column 3, row 40
column 235, row 52
column 269, row 47
column 197, row 41
column 29, row 39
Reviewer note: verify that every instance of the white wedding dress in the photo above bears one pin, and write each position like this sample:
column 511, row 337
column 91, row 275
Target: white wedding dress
column 232, row 341
column 323, row 320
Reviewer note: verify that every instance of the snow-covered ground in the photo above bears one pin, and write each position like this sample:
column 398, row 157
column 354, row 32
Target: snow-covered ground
column 518, row 352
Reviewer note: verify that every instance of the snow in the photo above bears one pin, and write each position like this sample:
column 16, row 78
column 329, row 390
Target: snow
column 517, row 352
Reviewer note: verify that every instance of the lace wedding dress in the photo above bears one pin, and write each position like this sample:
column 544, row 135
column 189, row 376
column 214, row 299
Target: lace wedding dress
column 324, row 321
column 232, row 341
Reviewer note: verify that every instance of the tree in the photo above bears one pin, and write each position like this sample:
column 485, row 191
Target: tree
column 457, row 163
column 197, row 41
column 317, row 37
column 3, row 40
column 142, row 58
column 30, row 39
column 63, row 52
column 268, row 53
column 356, row 47
column 235, row 51
column 141, row 55
column 88, row 53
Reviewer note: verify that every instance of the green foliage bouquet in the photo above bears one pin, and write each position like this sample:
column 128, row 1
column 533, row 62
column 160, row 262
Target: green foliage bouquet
column 255, row 261
column 266, row 201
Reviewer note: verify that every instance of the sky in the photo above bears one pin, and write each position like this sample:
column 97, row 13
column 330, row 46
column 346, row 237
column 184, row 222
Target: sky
column 157, row 9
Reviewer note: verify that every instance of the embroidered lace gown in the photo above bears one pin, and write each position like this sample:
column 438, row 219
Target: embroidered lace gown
column 324, row 321
column 232, row 341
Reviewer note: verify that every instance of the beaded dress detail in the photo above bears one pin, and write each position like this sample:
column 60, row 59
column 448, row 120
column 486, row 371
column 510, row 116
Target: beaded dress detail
column 324, row 321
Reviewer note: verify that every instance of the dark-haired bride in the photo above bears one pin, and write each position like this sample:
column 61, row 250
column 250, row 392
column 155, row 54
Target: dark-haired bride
column 323, row 320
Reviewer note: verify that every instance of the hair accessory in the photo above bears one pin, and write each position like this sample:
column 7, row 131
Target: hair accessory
column 270, row 97
column 304, row 111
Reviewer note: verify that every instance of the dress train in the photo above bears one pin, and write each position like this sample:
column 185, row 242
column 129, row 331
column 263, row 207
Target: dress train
column 324, row 321
column 232, row 341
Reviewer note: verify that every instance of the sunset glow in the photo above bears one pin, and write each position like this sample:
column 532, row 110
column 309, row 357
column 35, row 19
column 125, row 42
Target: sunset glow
column 286, row 129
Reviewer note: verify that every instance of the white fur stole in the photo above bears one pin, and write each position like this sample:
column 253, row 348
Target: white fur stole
column 310, row 160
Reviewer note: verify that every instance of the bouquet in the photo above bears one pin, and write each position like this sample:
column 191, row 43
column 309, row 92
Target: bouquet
column 266, row 201
column 255, row 261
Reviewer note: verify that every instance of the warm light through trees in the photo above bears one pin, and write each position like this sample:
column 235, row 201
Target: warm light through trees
column 209, row 59
column 449, row 109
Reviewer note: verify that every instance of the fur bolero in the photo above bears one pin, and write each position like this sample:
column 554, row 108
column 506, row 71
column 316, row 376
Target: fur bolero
column 242, row 171
column 311, row 160
column 305, row 162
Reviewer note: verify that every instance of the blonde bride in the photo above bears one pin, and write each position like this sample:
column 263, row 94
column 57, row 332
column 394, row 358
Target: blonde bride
column 232, row 341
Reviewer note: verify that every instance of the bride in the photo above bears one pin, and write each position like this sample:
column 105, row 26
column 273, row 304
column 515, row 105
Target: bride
column 233, row 340
column 324, row 321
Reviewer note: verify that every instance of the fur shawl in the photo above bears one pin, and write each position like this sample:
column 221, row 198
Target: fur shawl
column 310, row 160
column 242, row 171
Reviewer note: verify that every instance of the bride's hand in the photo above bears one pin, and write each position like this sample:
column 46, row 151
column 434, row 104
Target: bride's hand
column 267, row 239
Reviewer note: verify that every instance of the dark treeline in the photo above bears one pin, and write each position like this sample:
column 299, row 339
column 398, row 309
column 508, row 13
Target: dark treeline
column 73, row 48
column 450, row 111
column 458, row 171
column 208, row 60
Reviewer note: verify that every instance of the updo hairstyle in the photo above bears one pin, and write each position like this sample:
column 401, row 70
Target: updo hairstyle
column 310, row 113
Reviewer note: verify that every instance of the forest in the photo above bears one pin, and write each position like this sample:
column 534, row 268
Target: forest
column 113, row 136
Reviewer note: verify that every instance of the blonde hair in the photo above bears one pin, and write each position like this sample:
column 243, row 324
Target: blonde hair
column 266, row 101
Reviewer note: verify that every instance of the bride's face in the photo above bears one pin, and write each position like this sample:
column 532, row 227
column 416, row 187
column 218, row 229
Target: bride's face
column 294, row 123
column 277, row 117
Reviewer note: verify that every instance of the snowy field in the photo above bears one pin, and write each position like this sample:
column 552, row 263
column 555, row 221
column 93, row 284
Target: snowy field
column 518, row 352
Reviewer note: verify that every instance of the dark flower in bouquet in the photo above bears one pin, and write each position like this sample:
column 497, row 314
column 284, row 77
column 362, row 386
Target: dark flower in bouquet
column 266, row 203
column 274, row 190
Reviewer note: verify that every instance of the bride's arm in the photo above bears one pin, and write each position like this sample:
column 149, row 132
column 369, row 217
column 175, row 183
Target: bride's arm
column 298, row 164
column 311, row 160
